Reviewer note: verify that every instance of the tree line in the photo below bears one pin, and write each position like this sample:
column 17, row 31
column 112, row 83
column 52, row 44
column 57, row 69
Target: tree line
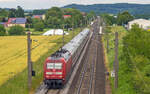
column 53, row 18
column 120, row 19
column 19, row 12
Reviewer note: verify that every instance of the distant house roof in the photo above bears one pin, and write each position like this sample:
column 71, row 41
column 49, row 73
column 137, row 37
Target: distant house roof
column 2, row 23
column 37, row 16
column 140, row 21
column 11, row 20
column 17, row 20
column 143, row 23
column 67, row 16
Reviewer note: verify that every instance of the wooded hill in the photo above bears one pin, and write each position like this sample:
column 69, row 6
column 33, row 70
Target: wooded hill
column 134, row 9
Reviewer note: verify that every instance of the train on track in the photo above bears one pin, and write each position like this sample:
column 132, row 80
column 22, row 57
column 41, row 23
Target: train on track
column 59, row 66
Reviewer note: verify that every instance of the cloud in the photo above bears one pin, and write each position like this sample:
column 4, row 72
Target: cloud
column 7, row 0
column 34, row 4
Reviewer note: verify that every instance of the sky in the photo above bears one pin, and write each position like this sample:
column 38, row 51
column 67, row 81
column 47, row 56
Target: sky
column 44, row 4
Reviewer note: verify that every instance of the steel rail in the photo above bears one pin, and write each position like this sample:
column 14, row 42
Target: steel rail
column 93, row 68
column 85, row 68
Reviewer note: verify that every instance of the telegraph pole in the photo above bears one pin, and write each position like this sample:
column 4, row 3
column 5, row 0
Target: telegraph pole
column 29, row 60
column 116, row 61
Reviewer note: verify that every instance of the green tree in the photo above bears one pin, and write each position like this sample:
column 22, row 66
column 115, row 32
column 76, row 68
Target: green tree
column 2, row 30
column 76, row 16
column 68, row 22
column 39, row 11
column 54, row 17
column 3, row 15
column 29, row 22
column 54, row 22
column 109, row 19
column 136, row 54
column 39, row 26
column 16, row 30
column 91, row 15
column 124, row 18
column 35, row 20
column 19, row 12
column 12, row 13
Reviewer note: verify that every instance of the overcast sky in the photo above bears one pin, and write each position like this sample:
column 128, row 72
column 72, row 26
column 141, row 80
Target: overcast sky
column 42, row 4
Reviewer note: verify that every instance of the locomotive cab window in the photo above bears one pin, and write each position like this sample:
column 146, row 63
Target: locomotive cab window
column 54, row 65
column 58, row 65
column 50, row 65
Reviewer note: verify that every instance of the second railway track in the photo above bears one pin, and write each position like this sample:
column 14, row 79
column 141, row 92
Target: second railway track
column 86, row 79
column 90, row 76
column 85, row 82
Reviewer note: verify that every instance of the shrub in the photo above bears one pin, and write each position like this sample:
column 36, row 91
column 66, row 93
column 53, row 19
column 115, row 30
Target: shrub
column 16, row 30
column 2, row 30
column 136, row 53
column 39, row 26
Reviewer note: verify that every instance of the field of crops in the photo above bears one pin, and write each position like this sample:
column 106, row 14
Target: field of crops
column 13, row 53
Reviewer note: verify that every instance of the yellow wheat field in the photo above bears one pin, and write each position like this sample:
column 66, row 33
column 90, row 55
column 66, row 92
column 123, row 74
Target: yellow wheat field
column 13, row 53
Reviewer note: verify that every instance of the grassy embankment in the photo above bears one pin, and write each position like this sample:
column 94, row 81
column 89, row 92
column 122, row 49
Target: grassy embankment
column 124, row 86
column 18, row 84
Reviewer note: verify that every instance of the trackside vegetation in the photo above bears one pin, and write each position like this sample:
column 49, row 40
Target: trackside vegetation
column 16, row 30
column 18, row 84
column 2, row 30
column 134, row 65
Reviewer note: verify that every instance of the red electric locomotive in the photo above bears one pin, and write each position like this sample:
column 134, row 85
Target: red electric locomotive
column 59, row 66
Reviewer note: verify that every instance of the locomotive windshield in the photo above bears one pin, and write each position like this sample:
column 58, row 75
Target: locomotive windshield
column 58, row 65
column 54, row 65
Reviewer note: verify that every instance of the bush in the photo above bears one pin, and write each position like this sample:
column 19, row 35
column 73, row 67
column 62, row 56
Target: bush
column 2, row 30
column 16, row 30
column 136, row 53
column 39, row 26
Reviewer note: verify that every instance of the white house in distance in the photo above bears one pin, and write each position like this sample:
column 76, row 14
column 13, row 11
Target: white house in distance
column 55, row 32
column 143, row 23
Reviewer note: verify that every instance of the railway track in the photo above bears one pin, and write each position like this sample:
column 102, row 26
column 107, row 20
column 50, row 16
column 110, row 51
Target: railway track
column 87, row 75
column 86, row 83
column 90, row 78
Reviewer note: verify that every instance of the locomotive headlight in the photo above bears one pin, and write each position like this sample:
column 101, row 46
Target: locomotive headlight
column 58, row 73
column 49, row 73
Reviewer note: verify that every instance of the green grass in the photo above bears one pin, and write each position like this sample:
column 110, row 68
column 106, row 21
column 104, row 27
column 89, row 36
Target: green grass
column 18, row 84
column 124, row 86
